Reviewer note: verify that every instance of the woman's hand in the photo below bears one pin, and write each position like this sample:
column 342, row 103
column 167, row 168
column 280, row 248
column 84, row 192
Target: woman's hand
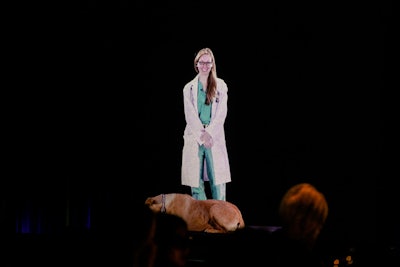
column 207, row 139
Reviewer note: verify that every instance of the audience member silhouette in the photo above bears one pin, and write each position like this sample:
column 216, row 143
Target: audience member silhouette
column 172, row 241
column 144, row 246
column 164, row 242
column 303, row 211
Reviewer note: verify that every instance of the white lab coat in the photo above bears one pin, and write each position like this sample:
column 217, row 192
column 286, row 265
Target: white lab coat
column 191, row 137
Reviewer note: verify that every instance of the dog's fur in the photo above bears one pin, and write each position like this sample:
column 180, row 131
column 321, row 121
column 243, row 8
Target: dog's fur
column 211, row 216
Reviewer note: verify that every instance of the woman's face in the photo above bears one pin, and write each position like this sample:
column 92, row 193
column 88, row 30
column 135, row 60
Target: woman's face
column 205, row 64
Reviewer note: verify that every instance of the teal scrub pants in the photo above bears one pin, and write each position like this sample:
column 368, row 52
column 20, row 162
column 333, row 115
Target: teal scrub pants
column 217, row 191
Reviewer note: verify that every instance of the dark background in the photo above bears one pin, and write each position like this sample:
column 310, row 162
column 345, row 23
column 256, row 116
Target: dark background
column 96, row 116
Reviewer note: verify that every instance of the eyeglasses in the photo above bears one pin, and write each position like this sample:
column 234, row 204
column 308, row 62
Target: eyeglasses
column 202, row 63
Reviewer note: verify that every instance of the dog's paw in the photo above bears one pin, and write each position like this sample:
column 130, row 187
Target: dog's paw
column 214, row 231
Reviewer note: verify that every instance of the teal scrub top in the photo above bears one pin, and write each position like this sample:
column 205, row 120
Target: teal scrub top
column 204, row 110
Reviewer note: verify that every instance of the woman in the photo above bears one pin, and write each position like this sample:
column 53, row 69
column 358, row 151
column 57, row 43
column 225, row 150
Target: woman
column 204, row 155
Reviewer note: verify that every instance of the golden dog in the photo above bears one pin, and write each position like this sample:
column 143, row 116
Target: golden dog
column 210, row 216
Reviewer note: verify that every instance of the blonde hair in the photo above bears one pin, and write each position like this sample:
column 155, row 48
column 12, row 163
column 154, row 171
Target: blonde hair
column 303, row 211
column 212, row 78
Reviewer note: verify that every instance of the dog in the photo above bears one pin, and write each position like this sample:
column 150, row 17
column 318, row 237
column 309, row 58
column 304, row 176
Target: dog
column 210, row 216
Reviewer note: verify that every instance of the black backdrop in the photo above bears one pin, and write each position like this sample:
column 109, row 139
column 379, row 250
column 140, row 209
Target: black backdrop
column 97, row 118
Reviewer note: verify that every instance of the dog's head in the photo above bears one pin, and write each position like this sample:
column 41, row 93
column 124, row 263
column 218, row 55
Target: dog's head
column 156, row 203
